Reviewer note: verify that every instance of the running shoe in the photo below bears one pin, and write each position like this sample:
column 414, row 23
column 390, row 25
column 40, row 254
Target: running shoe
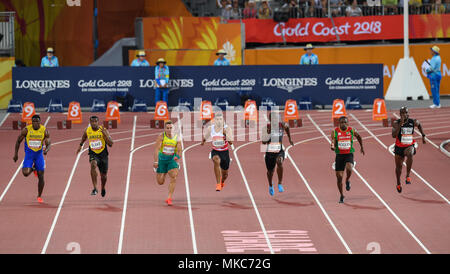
column 169, row 201
column 218, row 187
column 280, row 188
column 271, row 191
column 39, row 199
column 103, row 193
column 94, row 192
column 408, row 180
column 341, row 200
column 347, row 185
column 399, row 188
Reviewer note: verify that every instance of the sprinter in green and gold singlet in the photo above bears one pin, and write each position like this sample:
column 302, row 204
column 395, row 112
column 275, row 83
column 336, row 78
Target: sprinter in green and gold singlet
column 36, row 136
column 167, row 154
column 98, row 138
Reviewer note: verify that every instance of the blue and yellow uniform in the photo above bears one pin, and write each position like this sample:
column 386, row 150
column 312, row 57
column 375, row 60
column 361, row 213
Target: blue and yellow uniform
column 33, row 148
column 49, row 62
column 161, row 78
column 97, row 148
column 312, row 59
column 167, row 153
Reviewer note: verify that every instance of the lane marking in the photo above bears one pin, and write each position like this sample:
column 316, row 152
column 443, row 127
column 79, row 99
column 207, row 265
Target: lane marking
column 374, row 192
column 125, row 202
column 412, row 170
column 4, row 119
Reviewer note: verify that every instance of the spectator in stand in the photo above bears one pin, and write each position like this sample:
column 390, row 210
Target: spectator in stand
column 250, row 10
column 310, row 11
column 447, row 6
column 309, row 58
column 265, row 12
column 374, row 7
column 49, row 60
column 293, row 9
column 414, row 6
column 162, row 81
column 438, row 8
column 140, row 60
column 336, row 6
column 353, row 10
column 235, row 11
column 225, row 6
column 426, row 6
column 390, row 7
column 221, row 61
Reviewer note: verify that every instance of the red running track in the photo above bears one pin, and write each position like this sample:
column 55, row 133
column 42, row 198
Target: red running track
column 242, row 218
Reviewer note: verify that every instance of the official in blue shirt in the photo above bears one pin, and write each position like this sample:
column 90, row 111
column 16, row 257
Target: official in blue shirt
column 221, row 61
column 162, row 81
column 49, row 60
column 309, row 58
column 434, row 74
column 140, row 60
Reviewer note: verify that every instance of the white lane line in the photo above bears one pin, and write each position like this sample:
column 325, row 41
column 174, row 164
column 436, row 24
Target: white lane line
column 375, row 193
column 428, row 140
column 315, row 197
column 4, row 119
column 188, row 197
column 125, row 202
column 55, row 219
column 412, row 170
column 253, row 200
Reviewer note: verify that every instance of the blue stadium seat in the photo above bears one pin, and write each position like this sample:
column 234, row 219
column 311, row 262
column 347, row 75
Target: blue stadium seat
column 185, row 103
column 305, row 103
column 139, row 105
column 353, row 103
column 55, row 105
column 98, row 106
column 15, row 106
column 268, row 102
column 222, row 103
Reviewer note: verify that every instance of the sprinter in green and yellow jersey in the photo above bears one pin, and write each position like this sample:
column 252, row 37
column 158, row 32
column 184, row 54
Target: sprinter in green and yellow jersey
column 166, row 157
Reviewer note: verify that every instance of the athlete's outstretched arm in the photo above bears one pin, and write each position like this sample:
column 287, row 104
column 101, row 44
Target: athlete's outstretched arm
column 419, row 126
column 179, row 149
column 83, row 139
column 333, row 141
column 107, row 137
column 47, row 142
column 157, row 148
column 358, row 137
column 20, row 138
column 229, row 135
column 288, row 132
column 206, row 134
column 395, row 129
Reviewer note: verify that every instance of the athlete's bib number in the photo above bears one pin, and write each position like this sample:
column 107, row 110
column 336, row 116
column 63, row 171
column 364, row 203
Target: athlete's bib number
column 274, row 147
column 168, row 150
column 34, row 143
column 218, row 142
column 344, row 145
column 407, row 139
column 96, row 144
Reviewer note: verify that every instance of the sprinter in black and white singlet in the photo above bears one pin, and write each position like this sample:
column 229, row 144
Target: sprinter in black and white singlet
column 402, row 131
column 221, row 137
column 272, row 136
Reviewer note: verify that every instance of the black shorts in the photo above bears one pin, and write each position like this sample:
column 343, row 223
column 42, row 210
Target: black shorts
column 342, row 159
column 102, row 161
column 401, row 150
column 224, row 158
column 271, row 159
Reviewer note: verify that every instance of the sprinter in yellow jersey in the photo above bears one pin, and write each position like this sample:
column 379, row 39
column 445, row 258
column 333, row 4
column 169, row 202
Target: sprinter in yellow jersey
column 167, row 154
column 98, row 137
column 36, row 136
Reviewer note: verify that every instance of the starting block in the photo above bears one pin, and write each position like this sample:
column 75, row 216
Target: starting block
column 156, row 124
column 110, row 124
column 67, row 124
column 18, row 124
column 291, row 115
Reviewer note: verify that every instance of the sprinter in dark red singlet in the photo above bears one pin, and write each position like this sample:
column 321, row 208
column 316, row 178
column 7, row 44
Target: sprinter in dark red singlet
column 405, row 145
column 342, row 145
